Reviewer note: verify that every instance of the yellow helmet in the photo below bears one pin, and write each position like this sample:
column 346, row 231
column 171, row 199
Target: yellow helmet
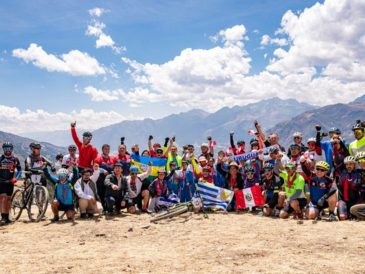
column 323, row 164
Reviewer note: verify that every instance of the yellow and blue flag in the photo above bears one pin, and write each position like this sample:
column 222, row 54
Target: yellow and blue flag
column 142, row 163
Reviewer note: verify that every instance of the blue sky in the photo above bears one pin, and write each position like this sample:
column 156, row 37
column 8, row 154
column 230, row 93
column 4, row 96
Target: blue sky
column 156, row 32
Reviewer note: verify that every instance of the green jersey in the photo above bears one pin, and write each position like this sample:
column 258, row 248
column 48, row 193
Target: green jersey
column 297, row 183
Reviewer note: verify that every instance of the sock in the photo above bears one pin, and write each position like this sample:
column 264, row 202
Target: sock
column 5, row 216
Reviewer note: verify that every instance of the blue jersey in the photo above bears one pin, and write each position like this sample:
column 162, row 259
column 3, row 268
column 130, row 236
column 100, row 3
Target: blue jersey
column 64, row 193
column 319, row 187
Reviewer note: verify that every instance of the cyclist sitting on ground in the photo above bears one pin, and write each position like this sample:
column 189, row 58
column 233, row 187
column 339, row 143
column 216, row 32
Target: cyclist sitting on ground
column 348, row 188
column 134, row 187
column 64, row 195
column 158, row 188
column 294, row 191
column 10, row 172
column 322, row 191
column 272, row 184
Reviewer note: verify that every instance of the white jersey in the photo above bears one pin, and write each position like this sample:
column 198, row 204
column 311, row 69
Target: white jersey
column 67, row 159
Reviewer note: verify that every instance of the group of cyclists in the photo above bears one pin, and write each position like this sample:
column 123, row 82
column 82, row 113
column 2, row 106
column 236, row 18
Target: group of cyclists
column 311, row 177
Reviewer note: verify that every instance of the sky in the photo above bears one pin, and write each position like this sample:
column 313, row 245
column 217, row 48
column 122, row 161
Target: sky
column 102, row 62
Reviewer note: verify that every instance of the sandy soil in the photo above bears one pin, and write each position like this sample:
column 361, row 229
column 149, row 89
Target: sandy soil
column 231, row 243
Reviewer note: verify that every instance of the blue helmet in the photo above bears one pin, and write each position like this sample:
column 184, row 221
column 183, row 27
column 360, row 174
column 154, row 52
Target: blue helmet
column 133, row 169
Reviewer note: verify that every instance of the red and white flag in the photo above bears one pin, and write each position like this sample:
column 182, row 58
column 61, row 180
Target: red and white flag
column 249, row 197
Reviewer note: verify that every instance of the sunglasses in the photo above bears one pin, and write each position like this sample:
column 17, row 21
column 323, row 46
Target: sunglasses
column 87, row 138
column 321, row 169
column 133, row 173
column 290, row 167
column 8, row 148
column 297, row 137
column 267, row 170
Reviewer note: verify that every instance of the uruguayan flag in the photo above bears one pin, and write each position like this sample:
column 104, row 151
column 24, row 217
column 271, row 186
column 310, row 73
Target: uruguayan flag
column 163, row 202
column 214, row 197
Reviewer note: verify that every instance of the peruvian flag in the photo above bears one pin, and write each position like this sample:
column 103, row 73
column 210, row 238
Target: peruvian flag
column 249, row 197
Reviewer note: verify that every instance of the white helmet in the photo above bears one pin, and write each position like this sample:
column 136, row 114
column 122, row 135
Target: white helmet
column 62, row 173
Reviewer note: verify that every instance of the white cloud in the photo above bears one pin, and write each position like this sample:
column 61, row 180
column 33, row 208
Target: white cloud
column 324, row 64
column 17, row 121
column 329, row 35
column 102, row 95
column 95, row 28
column 74, row 62
column 97, row 12
column 267, row 40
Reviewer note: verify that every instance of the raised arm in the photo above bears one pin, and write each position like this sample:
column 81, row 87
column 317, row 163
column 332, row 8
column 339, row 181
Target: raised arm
column 74, row 135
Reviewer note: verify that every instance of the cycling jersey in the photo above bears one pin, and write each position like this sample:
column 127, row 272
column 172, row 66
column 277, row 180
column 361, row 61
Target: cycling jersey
column 293, row 184
column 87, row 153
column 8, row 166
column 68, row 159
column 357, row 146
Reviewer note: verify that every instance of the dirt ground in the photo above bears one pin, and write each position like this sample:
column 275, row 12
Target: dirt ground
column 222, row 243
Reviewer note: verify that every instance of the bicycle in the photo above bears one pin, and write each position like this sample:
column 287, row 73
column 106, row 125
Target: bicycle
column 32, row 197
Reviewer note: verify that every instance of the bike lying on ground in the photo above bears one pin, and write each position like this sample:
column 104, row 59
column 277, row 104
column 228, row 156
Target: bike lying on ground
column 173, row 211
column 32, row 196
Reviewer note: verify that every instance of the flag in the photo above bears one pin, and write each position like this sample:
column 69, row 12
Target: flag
column 142, row 163
column 214, row 197
column 251, row 132
column 249, row 197
column 163, row 202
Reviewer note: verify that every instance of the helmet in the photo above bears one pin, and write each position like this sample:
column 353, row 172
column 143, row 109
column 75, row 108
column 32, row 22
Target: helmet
column 133, row 169
column 323, row 165
column 249, row 170
column 87, row 134
column 118, row 163
column 254, row 142
column 161, row 170
column 268, row 166
column 298, row 134
column 233, row 164
column 360, row 155
column 156, row 145
column 205, row 145
column 202, row 159
column 358, row 125
column 8, row 144
column 273, row 150
column 294, row 145
column 71, row 147
column 312, row 139
column 350, row 159
column 241, row 142
column 335, row 130
column 291, row 164
column 35, row 145
column 62, row 173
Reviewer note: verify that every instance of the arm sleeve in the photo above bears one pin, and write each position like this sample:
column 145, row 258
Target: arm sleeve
column 305, row 169
column 75, row 137
column 49, row 176
column 231, row 141
column 146, row 174
column 80, row 193
column 318, row 143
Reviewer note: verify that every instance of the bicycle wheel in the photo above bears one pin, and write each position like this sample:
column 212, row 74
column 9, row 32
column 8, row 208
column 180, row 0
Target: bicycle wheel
column 38, row 203
column 17, row 204
column 169, row 214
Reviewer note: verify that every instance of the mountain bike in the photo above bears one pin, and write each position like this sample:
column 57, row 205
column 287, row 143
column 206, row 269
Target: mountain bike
column 32, row 196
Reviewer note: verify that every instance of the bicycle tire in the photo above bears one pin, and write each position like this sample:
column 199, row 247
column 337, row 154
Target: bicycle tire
column 17, row 204
column 169, row 214
column 41, row 203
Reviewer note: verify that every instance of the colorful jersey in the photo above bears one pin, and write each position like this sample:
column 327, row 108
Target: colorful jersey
column 8, row 166
column 273, row 184
column 291, row 185
column 349, row 186
column 87, row 154
column 357, row 146
column 318, row 187
column 67, row 160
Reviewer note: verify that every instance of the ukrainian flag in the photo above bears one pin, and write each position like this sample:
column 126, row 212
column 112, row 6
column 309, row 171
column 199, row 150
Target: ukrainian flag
column 142, row 163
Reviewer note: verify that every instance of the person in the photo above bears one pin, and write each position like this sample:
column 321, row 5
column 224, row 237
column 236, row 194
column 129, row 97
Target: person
column 58, row 163
column 294, row 191
column 240, row 149
column 158, row 188
column 70, row 159
column 88, row 198
column 185, row 181
column 153, row 148
column 207, row 150
column 115, row 190
column 272, row 184
column 339, row 153
column 105, row 161
column 358, row 210
column 295, row 155
column 314, row 152
column 322, row 191
column 359, row 144
column 10, row 173
column 273, row 139
column 87, row 152
column 124, row 159
column 64, row 193
column 134, row 189
column 348, row 185
column 172, row 156
column 298, row 138
column 276, row 157
column 35, row 164
column 250, row 180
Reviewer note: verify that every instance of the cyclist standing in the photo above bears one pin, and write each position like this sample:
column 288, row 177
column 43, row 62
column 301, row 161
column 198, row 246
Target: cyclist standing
column 8, row 165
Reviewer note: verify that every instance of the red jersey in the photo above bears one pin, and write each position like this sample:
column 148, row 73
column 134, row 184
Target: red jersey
column 87, row 154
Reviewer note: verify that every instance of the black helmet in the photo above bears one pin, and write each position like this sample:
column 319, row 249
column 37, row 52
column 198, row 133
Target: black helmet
column 249, row 169
column 8, row 144
column 71, row 147
column 35, row 145
column 335, row 130
column 358, row 125
column 87, row 134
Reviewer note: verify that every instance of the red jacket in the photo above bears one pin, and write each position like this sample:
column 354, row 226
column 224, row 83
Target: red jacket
column 87, row 154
